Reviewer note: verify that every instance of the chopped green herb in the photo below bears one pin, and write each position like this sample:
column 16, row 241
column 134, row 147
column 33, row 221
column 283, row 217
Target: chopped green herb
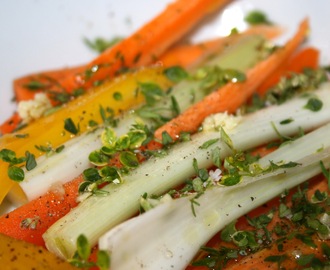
column 314, row 104
column 176, row 73
column 82, row 255
column 92, row 123
column 166, row 138
column 108, row 116
column 152, row 92
column 117, row 96
column 128, row 159
column 286, row 121
column 256, row 17
column 91, row 175
column 305, row 259
column 205, row 145
column 215, row 154
column 78, row 92
column 226, row 138
column 70, row 126
column 21, row 136
column 325, row 172
column 30, row 161
column 16, row 173
column 276, row 259
column 100, row 44
column 35, row 85
column 175, row 106
column 98, row 158
column 59, row 149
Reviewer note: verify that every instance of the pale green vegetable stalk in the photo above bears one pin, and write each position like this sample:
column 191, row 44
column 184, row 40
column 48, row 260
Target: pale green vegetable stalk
column 169, row 235
column 96, row 215
column 62, row 167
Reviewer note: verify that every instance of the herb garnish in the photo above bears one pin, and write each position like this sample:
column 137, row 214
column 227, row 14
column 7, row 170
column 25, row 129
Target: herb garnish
column 15, row 172
column 100, row 44
column 175, row 74
column 314, row 104
column 299, row 219
column 70, row 126
column 257, row 17
column 81, row 257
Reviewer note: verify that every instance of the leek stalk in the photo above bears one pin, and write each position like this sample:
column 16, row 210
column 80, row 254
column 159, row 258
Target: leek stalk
column 169, row 235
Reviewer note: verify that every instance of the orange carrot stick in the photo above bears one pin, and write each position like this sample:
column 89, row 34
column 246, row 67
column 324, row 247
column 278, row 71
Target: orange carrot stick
column 306, row 58
column 31, row 220
column 291, row 247
column 10, row 124
column 148, row 43
column 231, row 96
column 27, row 86
column 188, row 56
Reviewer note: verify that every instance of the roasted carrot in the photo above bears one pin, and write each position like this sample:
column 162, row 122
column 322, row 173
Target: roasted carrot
column 31, row 220
column 291, row 247
column 10, row 124
column 80, row 111
column 31, row 206
column 146, row 44
column 306, row 58
column 232, row 95
column 187, row 56
column 139, row 49
column 27, row 86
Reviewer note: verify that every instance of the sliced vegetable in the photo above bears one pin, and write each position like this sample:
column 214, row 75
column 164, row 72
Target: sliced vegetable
column 173, row 169
column 305, row 58
column 29, row 221
column 98, row 106
column 231, row 96
column 55, row 169
column 72, row 160
column 16, row 254
column 171, row 234
column 146, row 44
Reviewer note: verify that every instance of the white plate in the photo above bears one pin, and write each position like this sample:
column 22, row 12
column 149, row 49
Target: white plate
column 38, row 35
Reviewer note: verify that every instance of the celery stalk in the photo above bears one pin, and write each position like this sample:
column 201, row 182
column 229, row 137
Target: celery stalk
column 68, row 164
column 96, row 215
column 169, row 235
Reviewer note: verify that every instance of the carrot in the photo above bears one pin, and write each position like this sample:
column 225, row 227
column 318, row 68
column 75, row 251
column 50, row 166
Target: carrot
column 231, row 96
column 306, row 58
column 146, row 44
column 187, row 56
column 31, row 220
column 291, row 247
column 27, row 86
column 10, row 124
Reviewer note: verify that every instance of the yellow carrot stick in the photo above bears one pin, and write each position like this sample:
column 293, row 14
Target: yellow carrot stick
column 119, row 94
column 231, row 96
